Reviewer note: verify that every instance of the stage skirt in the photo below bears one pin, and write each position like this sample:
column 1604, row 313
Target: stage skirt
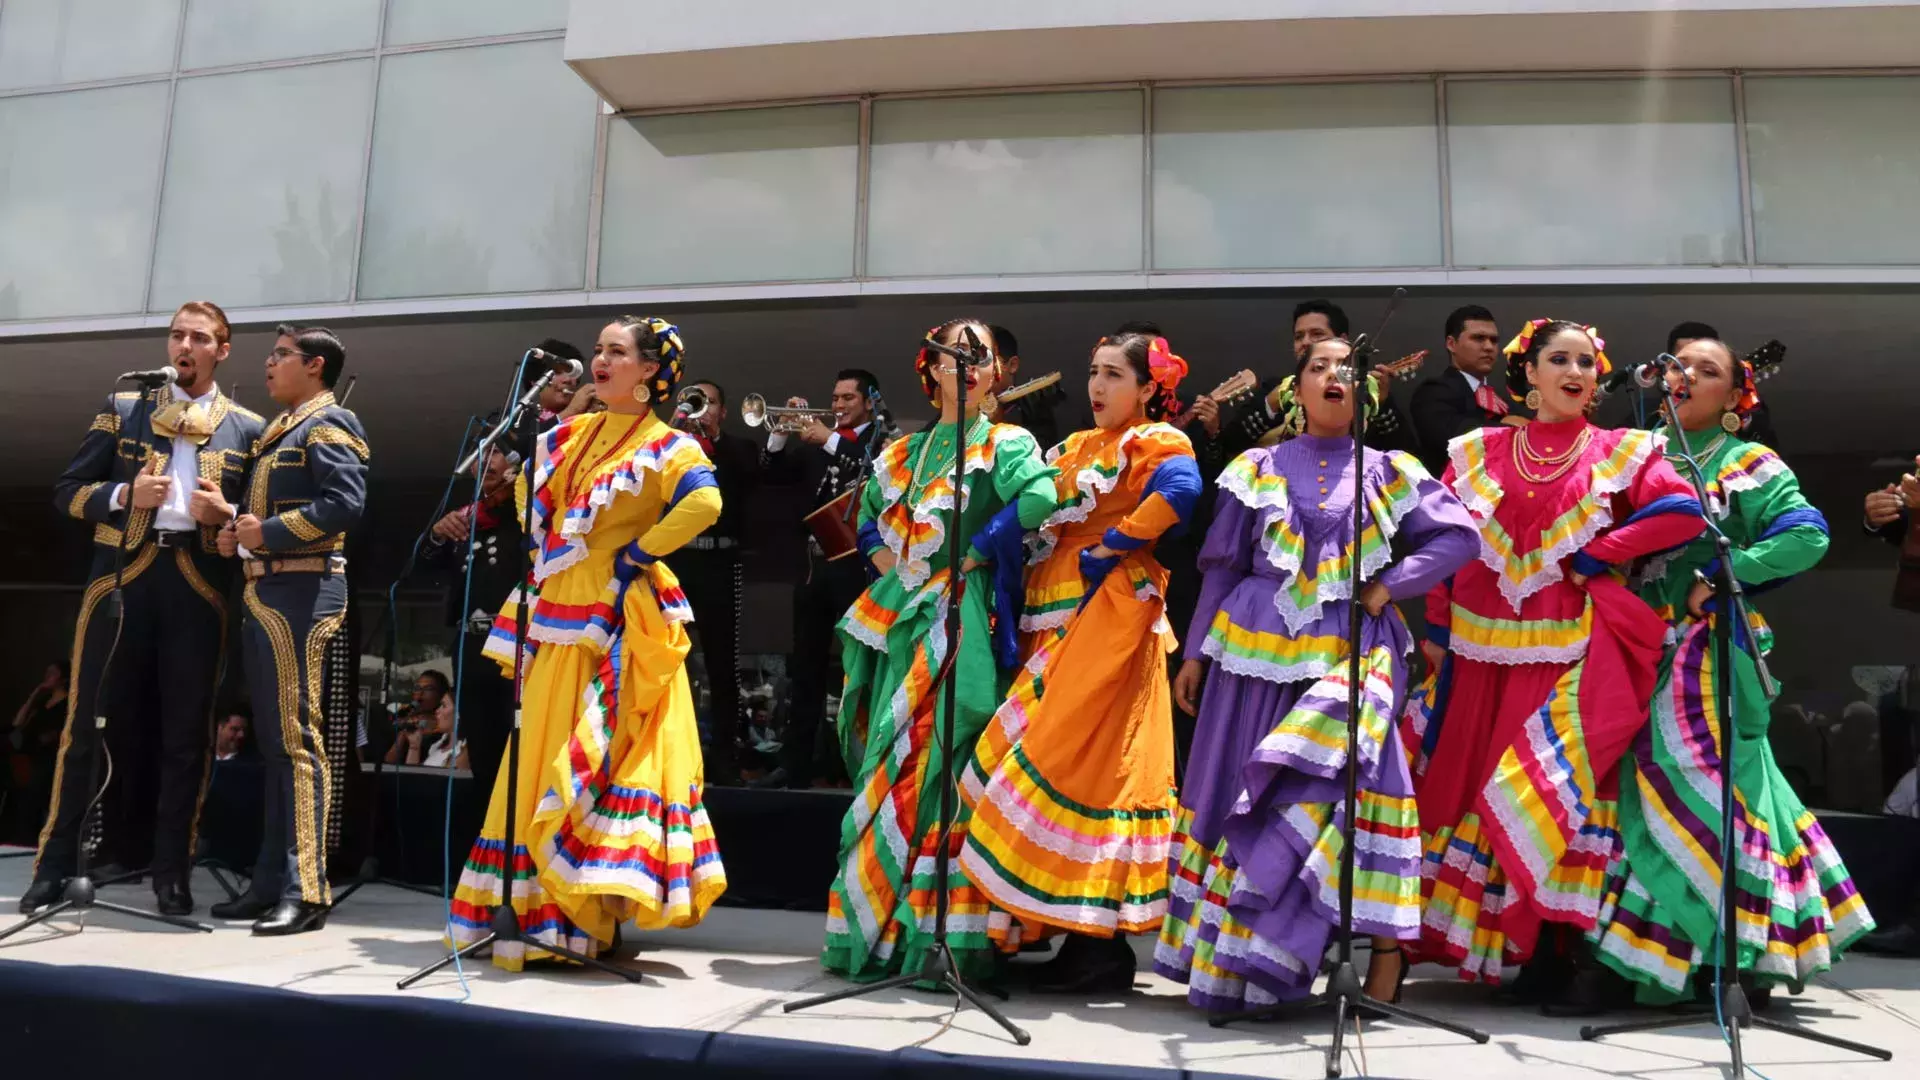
column 1796, row 904
column 1071, row 787
column 610, row 824
column 1254, row 895
column 1518, row 800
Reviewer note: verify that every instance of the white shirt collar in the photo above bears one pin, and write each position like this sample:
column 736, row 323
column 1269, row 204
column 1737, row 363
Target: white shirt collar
column 1474, row 382
column 181, row 395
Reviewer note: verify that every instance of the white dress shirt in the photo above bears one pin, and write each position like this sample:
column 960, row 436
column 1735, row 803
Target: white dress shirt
column 183, row 466
column 1474, row 382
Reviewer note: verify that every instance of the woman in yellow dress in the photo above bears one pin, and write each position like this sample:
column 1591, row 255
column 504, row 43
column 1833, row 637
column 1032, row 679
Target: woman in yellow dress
column 609, row 821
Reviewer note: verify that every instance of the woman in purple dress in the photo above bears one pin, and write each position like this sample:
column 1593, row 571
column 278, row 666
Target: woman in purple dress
column 1257, row 842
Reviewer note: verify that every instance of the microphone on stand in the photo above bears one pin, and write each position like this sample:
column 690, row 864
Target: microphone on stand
column 559, row 365
column 1646, row 376
column 163, row 376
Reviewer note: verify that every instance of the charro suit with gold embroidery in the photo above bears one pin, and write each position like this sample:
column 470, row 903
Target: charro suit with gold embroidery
column 175, row 586
column 308, row 487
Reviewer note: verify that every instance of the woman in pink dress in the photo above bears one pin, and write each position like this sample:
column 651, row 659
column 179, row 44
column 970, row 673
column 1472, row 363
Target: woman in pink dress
column 1544, row 661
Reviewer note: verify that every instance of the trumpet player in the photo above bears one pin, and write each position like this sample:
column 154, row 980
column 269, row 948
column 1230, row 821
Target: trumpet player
column 829, row 462
column 709, row 568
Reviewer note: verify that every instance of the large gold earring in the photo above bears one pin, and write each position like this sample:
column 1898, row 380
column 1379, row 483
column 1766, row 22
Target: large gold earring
column 1729, row 422
column 642, row 395
column 1533, row 400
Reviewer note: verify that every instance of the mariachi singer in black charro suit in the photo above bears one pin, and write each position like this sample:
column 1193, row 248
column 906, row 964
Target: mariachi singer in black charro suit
column 151, row 477
column 1465, row 397
column 308, row 487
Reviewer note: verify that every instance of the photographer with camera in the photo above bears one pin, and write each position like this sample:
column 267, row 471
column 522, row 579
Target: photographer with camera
column 414, row 728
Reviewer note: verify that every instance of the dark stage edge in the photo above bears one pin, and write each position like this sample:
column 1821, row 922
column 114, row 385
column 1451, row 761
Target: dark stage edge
column 130, row 1023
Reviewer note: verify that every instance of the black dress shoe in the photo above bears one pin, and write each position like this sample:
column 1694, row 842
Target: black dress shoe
column 172, row 899
column 291, row 917
column 1087, row 965
column 248, row 907
column 42, row 892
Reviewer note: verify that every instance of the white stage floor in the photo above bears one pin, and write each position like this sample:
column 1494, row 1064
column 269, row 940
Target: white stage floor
column 733, row 973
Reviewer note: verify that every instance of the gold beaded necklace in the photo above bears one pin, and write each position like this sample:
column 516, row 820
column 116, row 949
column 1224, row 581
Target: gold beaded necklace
column 1557, row 464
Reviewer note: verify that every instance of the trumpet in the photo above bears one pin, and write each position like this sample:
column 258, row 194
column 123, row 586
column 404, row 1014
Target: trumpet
column 782, row 419
column 692, row 404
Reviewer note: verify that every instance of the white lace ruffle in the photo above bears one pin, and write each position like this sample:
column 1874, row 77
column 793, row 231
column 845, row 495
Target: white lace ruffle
column 1641, row 446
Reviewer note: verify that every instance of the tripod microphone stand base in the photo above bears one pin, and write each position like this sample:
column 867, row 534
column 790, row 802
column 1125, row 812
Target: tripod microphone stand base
column 1345, row 996
column 79, row 896
column 504, row 927
column 939, row 969
column 1737, row 1013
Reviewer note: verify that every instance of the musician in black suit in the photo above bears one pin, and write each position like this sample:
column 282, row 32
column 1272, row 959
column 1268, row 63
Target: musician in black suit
column 829, row 463
column 1462, row 398
column 709, row 570
column 1034, row 411
column 151, row 477
column 1314, row 321
column 489, row 531
column 309, row 486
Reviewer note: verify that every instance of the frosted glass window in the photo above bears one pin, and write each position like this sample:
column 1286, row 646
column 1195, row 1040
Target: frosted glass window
column 1835, row 164
column 1021, row 184
column 76, row 214
column 755, row 195
column 44, row 42
column 1594, row 172
column 482, row 164
column 1296, row 176
column 410, row 22
column 277, row 226
column 223, row 32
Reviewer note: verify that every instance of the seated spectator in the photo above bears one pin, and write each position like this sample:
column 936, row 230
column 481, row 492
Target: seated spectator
column 234, row 737
column 430, row 690
column 31, row 748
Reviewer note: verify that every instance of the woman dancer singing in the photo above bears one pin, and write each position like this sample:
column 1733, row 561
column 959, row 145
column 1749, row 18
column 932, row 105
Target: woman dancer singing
column 1798, row 905
column 893, row 642
column 1548, row 660
column 1258, row 840
column 1072, row 786
column 609, row 821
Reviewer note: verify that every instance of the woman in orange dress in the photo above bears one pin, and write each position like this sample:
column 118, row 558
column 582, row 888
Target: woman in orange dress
column 1071, row 786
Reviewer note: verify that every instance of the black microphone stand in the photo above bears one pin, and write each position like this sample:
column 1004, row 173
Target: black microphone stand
column 1344, row 993
column 504, row 924
column 1732, row 1010
column 939, row 967
column 370, row 865
column 80, row 891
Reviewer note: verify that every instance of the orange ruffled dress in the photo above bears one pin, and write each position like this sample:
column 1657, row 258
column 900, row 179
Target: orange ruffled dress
column 1071, row 787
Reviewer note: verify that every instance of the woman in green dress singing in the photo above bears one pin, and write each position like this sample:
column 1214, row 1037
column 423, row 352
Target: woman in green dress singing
column 894, row 641
column 1798, row 907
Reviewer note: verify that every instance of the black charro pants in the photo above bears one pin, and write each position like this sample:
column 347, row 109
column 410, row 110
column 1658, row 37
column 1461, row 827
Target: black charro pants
column 485, row 708
column 818, row 606
column 158, row 692
column 712, row 582
column 290, row 619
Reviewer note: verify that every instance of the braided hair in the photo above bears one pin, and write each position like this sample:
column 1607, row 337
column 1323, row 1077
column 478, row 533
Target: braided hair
column 657, row 340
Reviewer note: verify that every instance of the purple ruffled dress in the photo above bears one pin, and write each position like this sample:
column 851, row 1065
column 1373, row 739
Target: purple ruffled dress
column 1257, row 842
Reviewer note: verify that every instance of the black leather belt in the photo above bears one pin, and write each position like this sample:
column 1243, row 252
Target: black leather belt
column 176, row 538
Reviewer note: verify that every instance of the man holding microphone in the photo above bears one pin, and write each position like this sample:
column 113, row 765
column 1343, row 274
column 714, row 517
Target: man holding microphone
column 154, row 476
